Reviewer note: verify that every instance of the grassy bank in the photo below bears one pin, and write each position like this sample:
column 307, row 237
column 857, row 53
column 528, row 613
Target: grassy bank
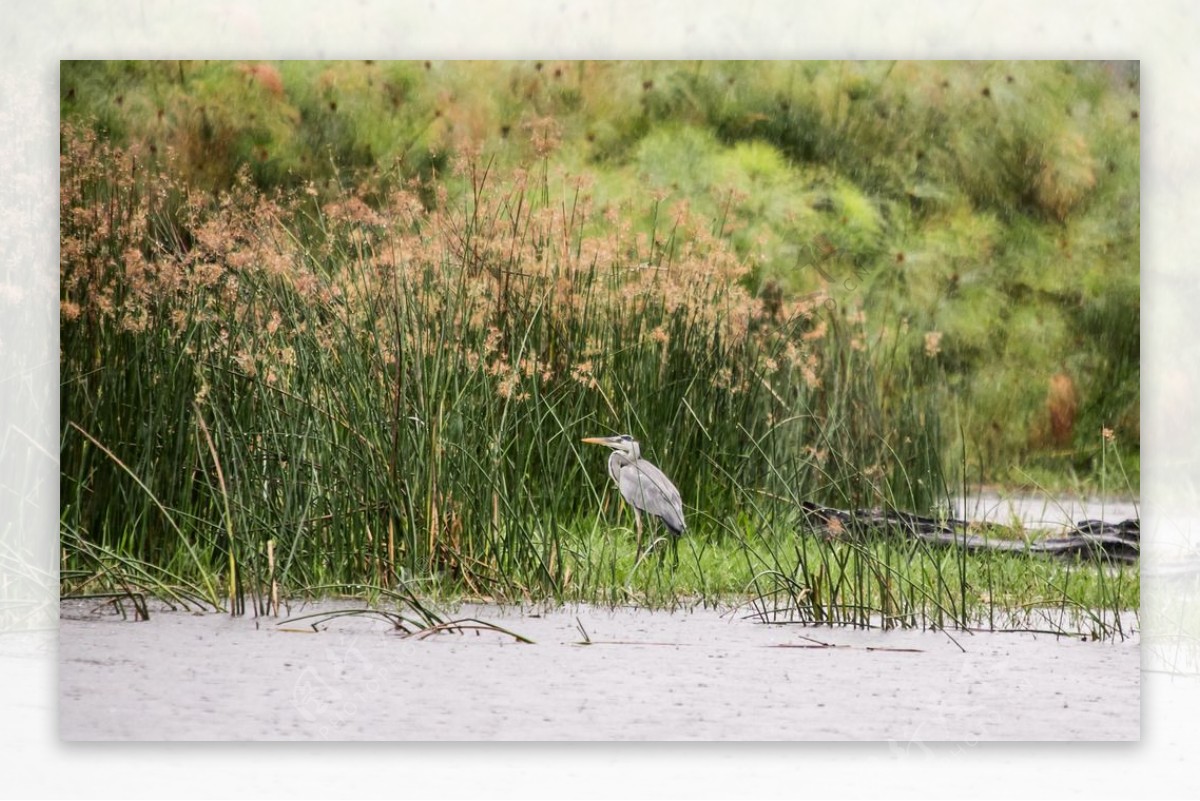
column 387, row 387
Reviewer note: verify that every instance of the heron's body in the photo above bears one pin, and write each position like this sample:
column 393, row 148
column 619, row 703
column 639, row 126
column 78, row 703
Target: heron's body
column 642, row 485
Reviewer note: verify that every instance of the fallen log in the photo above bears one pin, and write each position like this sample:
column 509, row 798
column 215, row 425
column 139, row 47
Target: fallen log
column 1088, row 539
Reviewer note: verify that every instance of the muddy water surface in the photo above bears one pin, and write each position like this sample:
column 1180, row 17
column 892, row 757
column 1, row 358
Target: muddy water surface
column 684, row 675
column 1037, row 513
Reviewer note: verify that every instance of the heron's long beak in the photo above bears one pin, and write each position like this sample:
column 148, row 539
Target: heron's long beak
column 598, row 440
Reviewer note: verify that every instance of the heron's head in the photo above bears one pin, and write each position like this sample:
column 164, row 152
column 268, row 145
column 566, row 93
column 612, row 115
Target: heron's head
column 620, row 442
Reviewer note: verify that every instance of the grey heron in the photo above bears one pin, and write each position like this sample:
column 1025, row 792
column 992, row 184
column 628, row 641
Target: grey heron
column 642, row 485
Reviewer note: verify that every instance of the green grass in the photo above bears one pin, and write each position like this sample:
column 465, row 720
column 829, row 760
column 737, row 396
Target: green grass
column 792, row 574
column 782, row 575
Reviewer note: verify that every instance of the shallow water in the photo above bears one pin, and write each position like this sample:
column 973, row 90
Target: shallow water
column 1041, row 512
column 647, row 675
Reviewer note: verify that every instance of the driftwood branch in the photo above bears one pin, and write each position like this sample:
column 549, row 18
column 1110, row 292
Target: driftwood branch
column 1088, row 539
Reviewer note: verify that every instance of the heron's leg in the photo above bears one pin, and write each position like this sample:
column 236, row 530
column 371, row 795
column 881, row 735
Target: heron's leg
column 672, row 544
column 637, row 521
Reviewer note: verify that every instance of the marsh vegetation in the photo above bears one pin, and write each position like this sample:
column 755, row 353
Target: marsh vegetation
column 340, row 327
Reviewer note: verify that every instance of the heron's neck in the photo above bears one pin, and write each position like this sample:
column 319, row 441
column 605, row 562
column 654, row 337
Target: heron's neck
column 619, row 459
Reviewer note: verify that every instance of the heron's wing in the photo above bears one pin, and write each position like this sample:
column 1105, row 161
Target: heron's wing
column 646, row 488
